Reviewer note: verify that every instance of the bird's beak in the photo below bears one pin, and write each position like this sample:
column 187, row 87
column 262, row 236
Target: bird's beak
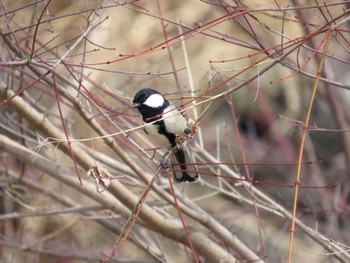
column 135, row 105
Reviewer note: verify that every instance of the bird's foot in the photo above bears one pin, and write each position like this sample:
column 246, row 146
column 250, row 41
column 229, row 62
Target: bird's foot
column 163, row 162
column 164, row 165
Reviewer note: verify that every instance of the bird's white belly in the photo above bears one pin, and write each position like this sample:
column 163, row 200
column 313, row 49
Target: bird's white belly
column 158, row 139
column 175, row 123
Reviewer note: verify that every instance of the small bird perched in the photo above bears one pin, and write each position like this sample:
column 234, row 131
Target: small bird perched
column 168, row 124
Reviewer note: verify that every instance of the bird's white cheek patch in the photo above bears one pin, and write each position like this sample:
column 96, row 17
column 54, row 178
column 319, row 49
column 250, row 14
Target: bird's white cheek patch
column 154, row 101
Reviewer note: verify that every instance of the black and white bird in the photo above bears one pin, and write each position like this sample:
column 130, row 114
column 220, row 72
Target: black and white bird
column 168, row 122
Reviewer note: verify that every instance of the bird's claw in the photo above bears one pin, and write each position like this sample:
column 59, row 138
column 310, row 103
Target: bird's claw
column 163, row 163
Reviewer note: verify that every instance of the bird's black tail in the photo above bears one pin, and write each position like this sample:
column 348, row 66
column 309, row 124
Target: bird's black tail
column 188, row 173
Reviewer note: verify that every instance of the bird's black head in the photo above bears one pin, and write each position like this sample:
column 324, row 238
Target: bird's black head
column 150, row 103
column 148, row 98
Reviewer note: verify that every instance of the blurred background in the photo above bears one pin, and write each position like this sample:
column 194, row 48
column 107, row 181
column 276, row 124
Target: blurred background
column 245, row 70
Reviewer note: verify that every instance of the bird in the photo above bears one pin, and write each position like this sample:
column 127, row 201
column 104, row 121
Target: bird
column 166, row 122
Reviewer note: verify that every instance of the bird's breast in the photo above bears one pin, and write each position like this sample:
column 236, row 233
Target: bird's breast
column 158, row 138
